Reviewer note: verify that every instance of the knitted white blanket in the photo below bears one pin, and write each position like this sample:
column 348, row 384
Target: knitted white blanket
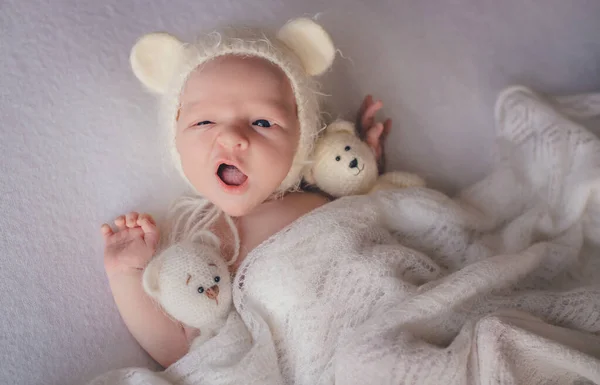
column 498, row 286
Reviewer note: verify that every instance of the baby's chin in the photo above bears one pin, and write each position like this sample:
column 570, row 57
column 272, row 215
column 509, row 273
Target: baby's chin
column 238, row 206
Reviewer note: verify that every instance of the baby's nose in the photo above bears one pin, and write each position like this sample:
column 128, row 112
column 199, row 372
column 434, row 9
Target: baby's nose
column 212, row 292
column 233, row 138
column 354, row 163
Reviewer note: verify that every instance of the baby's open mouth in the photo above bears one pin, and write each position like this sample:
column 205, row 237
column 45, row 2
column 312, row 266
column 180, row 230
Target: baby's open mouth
column 231, row 175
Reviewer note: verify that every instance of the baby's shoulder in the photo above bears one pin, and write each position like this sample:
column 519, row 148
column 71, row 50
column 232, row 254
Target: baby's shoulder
column 295, row 205
column 282, row 212
column 306, row 200
column 273, row 216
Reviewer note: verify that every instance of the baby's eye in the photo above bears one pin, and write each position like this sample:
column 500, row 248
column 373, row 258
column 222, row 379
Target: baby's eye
column 217, row 279
column 200, row 290
column 203, row 123
column 338, row 158
column 262, row 123
column 347, row 148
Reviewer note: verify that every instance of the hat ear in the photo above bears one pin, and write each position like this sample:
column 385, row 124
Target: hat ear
column 155, row 58
column 343, row 126
column 310, row 42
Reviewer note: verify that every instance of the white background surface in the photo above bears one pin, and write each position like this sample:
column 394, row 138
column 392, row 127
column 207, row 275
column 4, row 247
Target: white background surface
column 80, row 143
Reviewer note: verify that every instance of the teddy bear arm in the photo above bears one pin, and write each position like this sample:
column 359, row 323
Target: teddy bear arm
column 398, row 179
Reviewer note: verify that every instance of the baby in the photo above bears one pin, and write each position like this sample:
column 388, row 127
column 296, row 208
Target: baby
column 244, row 114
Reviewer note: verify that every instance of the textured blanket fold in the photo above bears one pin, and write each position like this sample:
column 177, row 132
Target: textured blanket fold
column 500, row 285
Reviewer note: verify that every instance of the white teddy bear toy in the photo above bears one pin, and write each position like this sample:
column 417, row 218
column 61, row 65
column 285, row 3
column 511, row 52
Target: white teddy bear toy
column 191, row 282
column 342, row 164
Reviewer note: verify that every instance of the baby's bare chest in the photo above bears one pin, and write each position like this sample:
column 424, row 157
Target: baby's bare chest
column 265, row 222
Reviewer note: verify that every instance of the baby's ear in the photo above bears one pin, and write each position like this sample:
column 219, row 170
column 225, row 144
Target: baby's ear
column 151, row 277
column 310, row 42
column 341, row 126
column 155, row 58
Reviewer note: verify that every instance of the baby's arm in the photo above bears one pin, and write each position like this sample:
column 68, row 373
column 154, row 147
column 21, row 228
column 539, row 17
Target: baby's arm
column 127, row 251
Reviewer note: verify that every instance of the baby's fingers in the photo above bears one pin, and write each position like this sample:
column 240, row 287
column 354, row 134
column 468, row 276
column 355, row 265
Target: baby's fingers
column 367, row 101
column 368, row 117
column 387, row 127
column 373, row 138
column 131, row 219
column 106, row 231
column 147, row 217
column 151, row 235
column 120, row 223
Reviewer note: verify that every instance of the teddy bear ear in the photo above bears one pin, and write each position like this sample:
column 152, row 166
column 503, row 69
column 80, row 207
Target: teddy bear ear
column 309, row 175
column 310, row 42
column 150, row 279
column 155, row 58
column 208, row 238
column 341, row 126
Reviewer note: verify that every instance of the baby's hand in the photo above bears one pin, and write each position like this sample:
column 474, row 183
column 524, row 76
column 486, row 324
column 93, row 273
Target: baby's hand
column 133, row 244
column 372, row 132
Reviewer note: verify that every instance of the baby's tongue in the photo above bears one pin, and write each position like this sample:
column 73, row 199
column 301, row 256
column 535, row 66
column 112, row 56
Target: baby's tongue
column 232, row 176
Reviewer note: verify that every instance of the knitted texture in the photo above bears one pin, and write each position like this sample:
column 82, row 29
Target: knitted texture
column 497, row 286
column 194, row 255
column 301, row 49
column 164, row 64
column 342, row 165
column 397, row 179
column 191, row 282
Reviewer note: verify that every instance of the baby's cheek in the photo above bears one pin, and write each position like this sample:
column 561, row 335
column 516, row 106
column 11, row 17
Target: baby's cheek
column 194, row 170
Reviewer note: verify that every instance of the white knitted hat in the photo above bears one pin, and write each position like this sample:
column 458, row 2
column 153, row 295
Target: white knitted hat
column 302, row 49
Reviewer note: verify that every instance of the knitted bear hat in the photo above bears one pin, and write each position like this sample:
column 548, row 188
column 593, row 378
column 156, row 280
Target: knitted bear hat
column 301, row 49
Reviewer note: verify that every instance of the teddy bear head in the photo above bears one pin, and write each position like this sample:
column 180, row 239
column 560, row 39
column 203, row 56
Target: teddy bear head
column 342, row 164
column 191, row 282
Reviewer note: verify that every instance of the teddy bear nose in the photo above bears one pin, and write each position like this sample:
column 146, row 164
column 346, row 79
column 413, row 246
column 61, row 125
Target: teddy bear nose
column 354, row 163
column 213, row 292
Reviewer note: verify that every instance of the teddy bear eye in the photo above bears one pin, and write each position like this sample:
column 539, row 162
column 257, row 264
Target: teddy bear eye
column 200, row 290
column 347, row 148
column 217, row 279
column 338, row 158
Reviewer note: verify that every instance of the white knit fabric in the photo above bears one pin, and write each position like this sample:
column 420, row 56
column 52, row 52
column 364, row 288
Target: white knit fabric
column 261, row 44
column 342, row 164
column 498, row 286
column 301, row 49
column 191, row 282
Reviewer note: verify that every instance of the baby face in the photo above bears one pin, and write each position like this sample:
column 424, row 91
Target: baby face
column 237, row 131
